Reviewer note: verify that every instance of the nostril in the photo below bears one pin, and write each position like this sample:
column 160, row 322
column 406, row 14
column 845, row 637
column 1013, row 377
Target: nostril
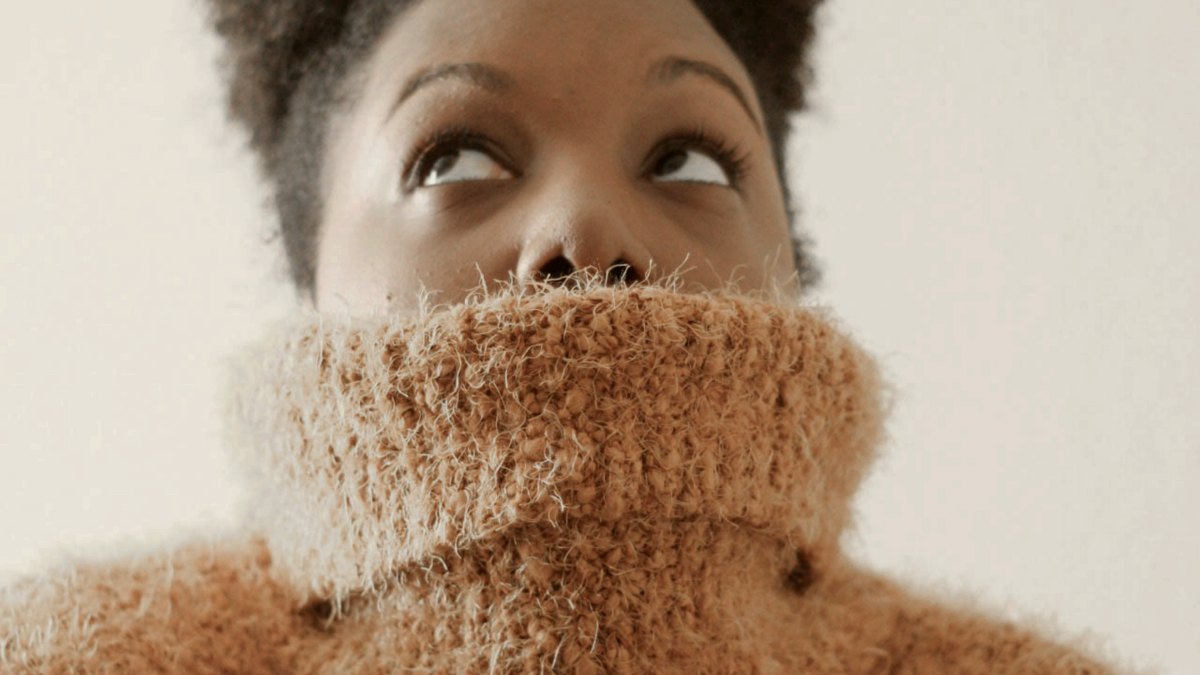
column 557, row 268
column 561, row 268
column 621, row 272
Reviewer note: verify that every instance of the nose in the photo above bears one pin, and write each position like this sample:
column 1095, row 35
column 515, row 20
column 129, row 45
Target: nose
column 582, row 226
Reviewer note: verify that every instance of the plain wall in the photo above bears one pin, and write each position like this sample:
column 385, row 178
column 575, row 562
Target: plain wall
column 1003, row 196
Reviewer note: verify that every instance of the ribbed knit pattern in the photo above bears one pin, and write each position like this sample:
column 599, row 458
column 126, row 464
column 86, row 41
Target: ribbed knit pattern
column 624, row 480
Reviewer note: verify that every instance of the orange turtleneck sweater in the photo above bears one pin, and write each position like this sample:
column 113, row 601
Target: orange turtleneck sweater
column 627, row 480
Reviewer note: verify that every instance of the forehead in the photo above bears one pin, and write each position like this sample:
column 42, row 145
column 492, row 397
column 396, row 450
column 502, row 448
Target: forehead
column 553, row 43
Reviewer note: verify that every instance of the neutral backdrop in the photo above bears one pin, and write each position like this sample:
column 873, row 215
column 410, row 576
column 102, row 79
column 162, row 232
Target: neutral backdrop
column 1004, row 196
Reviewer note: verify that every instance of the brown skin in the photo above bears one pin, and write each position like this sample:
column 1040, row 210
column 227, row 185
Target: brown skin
column 571, row 163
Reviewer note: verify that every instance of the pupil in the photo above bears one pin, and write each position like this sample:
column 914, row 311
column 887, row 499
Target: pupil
column 672, row 162
column 444, row 164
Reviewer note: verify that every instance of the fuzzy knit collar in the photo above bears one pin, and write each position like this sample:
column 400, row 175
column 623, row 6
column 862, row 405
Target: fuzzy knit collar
column 374, row 445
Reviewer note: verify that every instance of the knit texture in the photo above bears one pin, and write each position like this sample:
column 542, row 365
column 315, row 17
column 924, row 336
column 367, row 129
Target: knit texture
column 583, row 480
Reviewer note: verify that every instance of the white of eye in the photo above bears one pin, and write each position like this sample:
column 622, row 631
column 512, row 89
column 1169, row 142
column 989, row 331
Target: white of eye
column 462, row 165
column 690, row 166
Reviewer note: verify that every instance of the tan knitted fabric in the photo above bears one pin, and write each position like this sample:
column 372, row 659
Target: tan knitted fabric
column 628, row 480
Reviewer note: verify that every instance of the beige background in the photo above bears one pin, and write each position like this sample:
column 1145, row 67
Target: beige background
column 1004, row 195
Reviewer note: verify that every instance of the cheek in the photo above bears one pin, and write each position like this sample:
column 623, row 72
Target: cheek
column 348, row 274
column 769, row 223
column 385, row 259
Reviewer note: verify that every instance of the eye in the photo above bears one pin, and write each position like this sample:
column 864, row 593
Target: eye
column 454, row 155
column 689, row 166
column 699, row 156
column 458, row 165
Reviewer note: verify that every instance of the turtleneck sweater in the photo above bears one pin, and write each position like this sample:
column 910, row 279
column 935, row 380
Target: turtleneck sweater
column 624, row 480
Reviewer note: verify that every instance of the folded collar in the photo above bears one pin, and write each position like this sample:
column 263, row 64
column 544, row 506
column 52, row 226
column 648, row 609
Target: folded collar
column 367, row 444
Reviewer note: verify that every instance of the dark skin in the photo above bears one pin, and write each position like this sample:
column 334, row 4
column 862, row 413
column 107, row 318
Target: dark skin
column 574, row 147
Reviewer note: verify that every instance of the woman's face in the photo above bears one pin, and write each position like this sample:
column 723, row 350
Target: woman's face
column 531, row 138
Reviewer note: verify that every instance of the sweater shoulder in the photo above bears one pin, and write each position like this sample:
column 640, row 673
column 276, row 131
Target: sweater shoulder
column 935, row 629
column 202, row 606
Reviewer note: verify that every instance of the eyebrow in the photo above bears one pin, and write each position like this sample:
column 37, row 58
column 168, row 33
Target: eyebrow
column 672, row 68
column 479, row 74
column 662, row 72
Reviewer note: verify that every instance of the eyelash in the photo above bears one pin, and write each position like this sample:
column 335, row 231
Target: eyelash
column 734, row 162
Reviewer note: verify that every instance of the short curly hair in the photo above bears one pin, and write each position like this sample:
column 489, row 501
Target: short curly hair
column 287, row 64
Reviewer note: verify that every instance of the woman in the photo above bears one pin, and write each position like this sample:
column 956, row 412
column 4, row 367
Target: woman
column 616, row 443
